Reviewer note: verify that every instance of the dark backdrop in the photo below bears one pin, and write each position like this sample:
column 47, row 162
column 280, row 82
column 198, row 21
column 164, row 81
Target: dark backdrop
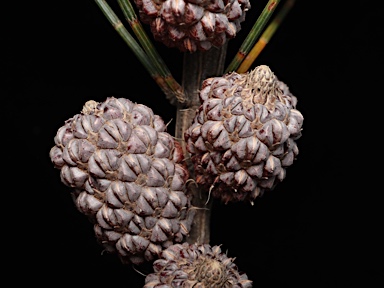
column 319, row 228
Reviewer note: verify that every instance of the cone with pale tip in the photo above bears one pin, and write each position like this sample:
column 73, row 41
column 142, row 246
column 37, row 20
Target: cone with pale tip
column 195, row 265
column 244, row 134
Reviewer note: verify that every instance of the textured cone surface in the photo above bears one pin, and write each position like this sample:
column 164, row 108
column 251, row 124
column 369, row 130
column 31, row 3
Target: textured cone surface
column 244, row 134
column 191, row 25
column 193, row 265
column 127, row 176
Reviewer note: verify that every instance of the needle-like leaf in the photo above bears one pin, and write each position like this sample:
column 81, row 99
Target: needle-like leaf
column 134, row 46
column 265, row 37
column 253, row 35
column 150, row 50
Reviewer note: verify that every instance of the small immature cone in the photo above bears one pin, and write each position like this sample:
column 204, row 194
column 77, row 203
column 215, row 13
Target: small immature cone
column 128, row 177
column 244, row 134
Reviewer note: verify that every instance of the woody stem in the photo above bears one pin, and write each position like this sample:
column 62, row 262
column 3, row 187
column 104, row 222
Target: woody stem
column 197, row 67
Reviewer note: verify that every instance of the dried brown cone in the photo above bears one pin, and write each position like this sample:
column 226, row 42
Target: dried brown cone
column 191, row 25
column 195, row 265
column 244, row 134
column 128, row 177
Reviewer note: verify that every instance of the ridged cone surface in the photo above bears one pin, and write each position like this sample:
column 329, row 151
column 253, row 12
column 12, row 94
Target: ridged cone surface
column 244, row 134
column 195, row 265
column 128, row 177
column 191, row 25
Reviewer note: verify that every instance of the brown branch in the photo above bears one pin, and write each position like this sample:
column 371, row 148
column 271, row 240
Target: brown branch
column 197, row 67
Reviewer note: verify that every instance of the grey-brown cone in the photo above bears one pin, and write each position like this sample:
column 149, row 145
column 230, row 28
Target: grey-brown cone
column 193, row 265
column 191, row 25
column 127, row 176
column 244, row 134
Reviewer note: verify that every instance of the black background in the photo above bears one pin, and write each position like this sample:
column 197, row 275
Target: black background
column 321, row 227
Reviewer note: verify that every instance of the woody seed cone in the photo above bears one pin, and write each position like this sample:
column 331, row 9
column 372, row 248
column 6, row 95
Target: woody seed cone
column 195, row 265
column 127, row 176
column 244, row 134
column 191, row 25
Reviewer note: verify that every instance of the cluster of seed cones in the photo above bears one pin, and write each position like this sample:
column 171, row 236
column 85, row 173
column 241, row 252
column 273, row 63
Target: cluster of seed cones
column 127, row 177
column 127, row 173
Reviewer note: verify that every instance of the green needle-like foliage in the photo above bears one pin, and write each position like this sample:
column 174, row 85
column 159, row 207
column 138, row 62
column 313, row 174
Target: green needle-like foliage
column 119, row 27
column 135, row 47
column 150, row 50
column 265, row 37
column 154, row 64
column 253, row 35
